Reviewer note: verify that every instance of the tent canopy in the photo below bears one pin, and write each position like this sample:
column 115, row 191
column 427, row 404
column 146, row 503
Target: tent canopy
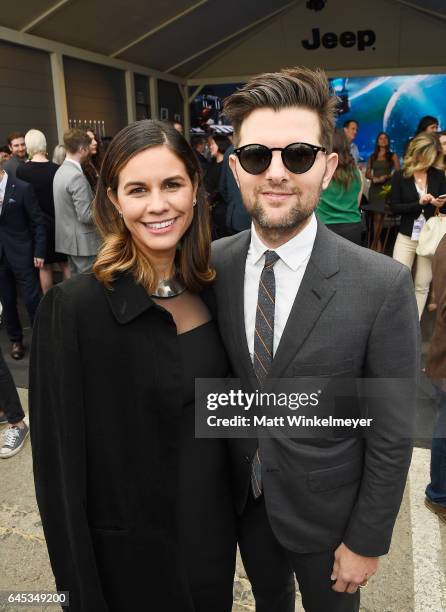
column 213, row 39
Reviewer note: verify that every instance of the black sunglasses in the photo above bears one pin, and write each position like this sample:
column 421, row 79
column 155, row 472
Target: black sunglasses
column 297, row 157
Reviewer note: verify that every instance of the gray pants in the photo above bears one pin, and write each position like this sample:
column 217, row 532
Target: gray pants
column 81, row 263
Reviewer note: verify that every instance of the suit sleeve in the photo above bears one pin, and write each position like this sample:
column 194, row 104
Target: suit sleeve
column 397, row 203
column 37, row 221
column 59, row 453
column 393, row 352
column 81, row 194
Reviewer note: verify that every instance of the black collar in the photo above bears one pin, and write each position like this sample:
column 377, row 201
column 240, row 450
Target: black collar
column 127, row 299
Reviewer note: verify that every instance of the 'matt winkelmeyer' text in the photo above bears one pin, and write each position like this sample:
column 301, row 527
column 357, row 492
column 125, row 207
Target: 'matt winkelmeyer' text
column 248, row 400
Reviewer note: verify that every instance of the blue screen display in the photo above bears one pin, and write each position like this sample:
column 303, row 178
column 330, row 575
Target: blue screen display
column 392, row 104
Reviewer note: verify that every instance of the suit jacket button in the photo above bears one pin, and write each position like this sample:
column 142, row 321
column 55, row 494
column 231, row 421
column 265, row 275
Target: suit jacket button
column 247, row 459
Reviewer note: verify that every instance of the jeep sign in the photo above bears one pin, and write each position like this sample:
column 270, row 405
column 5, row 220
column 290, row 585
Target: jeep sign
column 330, row 40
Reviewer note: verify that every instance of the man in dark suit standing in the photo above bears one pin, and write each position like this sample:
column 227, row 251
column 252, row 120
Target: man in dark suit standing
column 22, row 250
column 304, row 302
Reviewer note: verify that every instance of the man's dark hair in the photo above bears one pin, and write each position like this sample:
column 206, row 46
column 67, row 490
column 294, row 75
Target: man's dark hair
column 5, row 149
column 300, row 86
column 13, row 135
column 347, row 123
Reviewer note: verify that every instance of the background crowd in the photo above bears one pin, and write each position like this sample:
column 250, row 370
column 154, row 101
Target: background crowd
column 47, row 232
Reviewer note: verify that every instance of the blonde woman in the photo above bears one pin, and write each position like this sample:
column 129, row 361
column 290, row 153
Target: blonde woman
column 415, row 196
column 40, row 173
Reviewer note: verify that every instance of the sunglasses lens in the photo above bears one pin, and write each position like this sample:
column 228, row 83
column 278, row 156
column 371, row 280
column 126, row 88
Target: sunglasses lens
column 255, row 159
column 298, row 158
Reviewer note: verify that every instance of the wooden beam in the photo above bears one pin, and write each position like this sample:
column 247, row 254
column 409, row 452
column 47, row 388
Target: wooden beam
column 60, row 95
column 161, row 26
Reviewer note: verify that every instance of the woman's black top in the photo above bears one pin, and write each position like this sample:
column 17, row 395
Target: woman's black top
column 41, row 176
column 405, row 199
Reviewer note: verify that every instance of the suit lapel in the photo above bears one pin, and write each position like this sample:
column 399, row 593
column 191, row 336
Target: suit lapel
column 9, row 191
column 236, row 272
column 315, row 293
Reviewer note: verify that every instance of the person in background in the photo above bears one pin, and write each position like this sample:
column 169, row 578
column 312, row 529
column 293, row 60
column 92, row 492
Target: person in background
column 179, row 127
column 351, row 127
column 22, row 250
column 435, row 499
column 218, row 145
column 76, row 235
column 442, row 138
column 199, row 145
column 237, row 218
column 338, row 205
column 11, row 414
column 427, row 124
column 59, row 154
column 17, row 147
column 414, row 195
column 39, row 172
column 5, row 154
column 92, row 165
column 380, row 167
column 144, row 502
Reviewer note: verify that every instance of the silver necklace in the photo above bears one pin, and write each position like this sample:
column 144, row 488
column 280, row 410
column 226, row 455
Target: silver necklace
column 169, row 287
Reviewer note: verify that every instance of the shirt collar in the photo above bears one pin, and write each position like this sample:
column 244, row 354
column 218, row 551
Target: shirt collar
column 294, row 252
column 76, row 163
column 4, row 181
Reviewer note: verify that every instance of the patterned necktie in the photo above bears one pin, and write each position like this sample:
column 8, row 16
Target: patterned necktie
column 263, row 345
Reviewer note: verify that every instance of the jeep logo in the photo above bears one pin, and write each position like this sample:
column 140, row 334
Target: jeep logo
column 330, row 40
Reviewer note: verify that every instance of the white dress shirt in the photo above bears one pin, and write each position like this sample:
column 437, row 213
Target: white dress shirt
column 288, row 271
column 3, row 182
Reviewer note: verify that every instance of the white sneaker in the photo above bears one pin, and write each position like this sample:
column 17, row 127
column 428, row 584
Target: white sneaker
column 13, row 440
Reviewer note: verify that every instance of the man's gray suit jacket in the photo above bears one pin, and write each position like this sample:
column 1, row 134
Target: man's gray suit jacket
column 75, row 231
column 354, row 316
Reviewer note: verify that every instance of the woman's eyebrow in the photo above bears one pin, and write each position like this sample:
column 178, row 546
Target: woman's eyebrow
column 134, row 183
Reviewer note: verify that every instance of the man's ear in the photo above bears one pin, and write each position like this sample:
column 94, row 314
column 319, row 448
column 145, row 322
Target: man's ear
column 233, row 166
column 332, row 164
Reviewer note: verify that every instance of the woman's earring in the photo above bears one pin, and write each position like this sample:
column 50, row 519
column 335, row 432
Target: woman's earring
column 194, row 203
column 120, row 214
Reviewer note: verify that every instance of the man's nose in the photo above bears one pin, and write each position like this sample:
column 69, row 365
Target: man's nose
column 276, row 170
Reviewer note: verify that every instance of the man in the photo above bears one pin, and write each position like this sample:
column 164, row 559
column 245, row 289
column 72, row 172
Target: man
column 351, row 131
column 304, row 302
column 179, row 127
column 22, row 250
column 76, row 235
column 237, row 218
column 17, row 147
column 5, row 154
column 199, row 144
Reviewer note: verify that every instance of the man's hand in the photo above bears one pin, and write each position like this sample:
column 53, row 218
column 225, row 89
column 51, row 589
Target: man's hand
column 38, row 262
column 351, row 570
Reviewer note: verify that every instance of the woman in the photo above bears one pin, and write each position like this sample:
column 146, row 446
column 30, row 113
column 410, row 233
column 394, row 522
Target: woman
column 40, row 173
column 414, row 196
column 380, row 167
column 136, row 511
column 218, row 145
column 92, row 165
column 338, row 206
column 59, row 154
column 427, row 124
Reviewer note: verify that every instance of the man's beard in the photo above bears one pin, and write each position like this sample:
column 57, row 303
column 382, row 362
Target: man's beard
column 292, row 218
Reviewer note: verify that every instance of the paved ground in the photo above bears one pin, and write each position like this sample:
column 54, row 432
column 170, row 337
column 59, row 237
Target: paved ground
column 412, row 577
